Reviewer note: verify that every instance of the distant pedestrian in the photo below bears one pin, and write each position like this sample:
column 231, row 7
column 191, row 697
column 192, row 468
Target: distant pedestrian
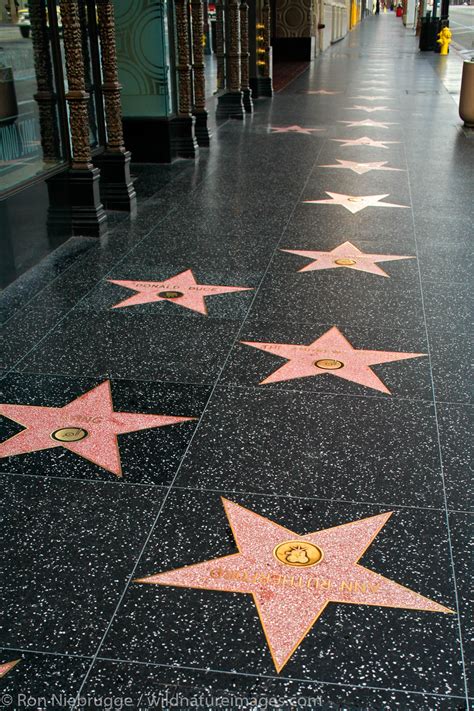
column 377, row 7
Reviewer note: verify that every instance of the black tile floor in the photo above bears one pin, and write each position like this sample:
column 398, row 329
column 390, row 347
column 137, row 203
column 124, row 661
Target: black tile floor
column 320, row 597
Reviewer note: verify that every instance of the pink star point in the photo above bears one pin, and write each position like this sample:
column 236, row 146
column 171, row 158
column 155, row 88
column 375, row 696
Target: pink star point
column 369, row 123
column 363, row 141
column 372, row 98
column 345, row 256
column 8, row 666
column 181, row 289
column 355, row 203
column 330, row 354
column 291, row 596
column 294, row 129
column 368, row 109
column 89, row 419
column 361, row 168
column 322, row 92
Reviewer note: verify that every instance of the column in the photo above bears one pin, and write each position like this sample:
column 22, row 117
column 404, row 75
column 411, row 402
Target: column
column 199, row 81
column 183, row 139
column 260, row 49
column 245, row 56
column 220, row 45
column 229, row 103
column 45, row 97
column 74, row 196
column 267, row 57
column 116, row 187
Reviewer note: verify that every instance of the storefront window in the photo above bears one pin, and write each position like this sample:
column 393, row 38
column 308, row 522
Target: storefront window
column 29, row 128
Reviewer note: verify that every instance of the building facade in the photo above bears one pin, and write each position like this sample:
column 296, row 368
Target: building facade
column 85, row 85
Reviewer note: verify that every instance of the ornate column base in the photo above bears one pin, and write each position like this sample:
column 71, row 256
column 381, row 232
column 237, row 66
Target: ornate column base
column 230, row 105
column 183, row 141
column 261, row 86
column 75, row 205
column 247, row 100
column 116, row 187
column 201, row 130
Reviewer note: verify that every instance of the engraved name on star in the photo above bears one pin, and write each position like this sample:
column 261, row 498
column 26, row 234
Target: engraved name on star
column 330, row 354
column 361, row 168
column 363, row 141
column 87, row 426
column 345, row 256
column 181, row 289
column 293, row 577
column 294, row 129
column 370, row 123
column 368, row 109
column 355, row 203
column 8, row 666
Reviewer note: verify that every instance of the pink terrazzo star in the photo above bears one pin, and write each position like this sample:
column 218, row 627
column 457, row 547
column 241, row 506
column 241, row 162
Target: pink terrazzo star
column 368, row 123
column 87, row 426
column 181, row 289
column 372, row 98
column 360, row 168
column 330, row 354
column 294, row 129
column 293, row 577
column 368, row 109
column 363, row 141
column 345, row 256
column 355, row 203
column 322, row 92
column 8, row 666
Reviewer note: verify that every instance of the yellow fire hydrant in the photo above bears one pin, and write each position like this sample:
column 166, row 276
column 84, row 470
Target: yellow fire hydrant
column 444, row 39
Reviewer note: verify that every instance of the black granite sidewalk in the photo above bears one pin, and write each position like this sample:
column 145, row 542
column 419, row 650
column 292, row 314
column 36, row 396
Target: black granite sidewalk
column 365, row 410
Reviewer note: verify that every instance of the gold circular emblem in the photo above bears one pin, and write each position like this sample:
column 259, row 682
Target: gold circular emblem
column 329, row 364
column 299, row 554
column 355, row 199
column 170, row 294
column 345, row 262
column 69, row 434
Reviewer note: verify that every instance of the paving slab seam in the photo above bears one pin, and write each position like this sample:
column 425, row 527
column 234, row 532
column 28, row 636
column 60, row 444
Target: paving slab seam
column 280, row 677
column 89, row 482
column 86, row 254
column 170, row 487
column 441, row 461
column 114, row 266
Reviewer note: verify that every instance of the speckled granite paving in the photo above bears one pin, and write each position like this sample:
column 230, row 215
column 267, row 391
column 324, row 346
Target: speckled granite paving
column 244, row 478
